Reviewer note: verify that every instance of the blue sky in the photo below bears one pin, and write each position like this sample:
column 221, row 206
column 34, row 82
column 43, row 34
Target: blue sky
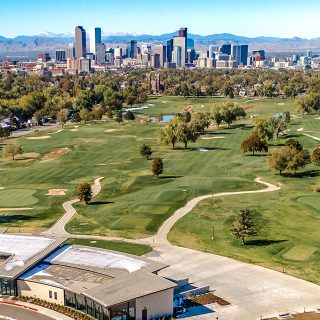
column 242, row 17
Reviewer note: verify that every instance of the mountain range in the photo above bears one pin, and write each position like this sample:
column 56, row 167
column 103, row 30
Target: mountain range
column 49, row 42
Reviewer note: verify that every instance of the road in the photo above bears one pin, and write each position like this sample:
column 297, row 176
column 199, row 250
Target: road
column 17, row 313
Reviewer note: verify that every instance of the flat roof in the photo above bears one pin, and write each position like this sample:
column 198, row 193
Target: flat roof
column 20, row 252
column 110, row 263
column 105, row 276
column 135, row 285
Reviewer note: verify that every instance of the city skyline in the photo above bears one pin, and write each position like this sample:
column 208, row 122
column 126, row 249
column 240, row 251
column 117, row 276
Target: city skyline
column 208, row 17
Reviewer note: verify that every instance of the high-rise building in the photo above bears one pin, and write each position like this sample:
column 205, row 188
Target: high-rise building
column 100, row 55
column 309, row 54
column 212, row 50
column 44, row 57
column 71, row 52
column 61, row 55
column 226, row 49
column 155, row 60
column 181, row 41
column 169, row 50
column 95, row 38
column 81, row 42
column 191, row 55
column 239, row 53
column 177, row 56
column 131, row 49
column 259, row 55
column 183, row 32
column 162, row 51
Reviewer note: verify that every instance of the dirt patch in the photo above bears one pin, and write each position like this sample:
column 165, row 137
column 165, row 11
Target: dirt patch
column 56, row 192
column 38, row 138
column 203, row 300
column 212, row 138
column 14, row 209
column 110, row 130
column 55, row 154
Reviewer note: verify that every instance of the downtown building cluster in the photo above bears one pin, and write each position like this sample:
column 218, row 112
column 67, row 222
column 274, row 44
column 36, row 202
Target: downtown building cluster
column 89, row 54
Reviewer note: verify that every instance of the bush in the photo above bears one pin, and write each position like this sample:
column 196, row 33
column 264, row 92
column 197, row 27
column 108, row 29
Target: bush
column 316, row 188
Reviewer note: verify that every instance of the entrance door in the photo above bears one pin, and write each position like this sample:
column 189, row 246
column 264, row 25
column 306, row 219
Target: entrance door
column 144, row 314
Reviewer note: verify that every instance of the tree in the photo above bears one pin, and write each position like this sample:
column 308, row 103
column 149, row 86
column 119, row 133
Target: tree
column 279, row 125
column 146, row 151
column 217, row 117
column 84, row 192
column 186, row 133
column 62, row 116
column 315, row 156
column 244, row 226
column 85, row 115
column 169, row 135
column 129, row 115
column 263, row 128
column 295, row 144
column 157, row 166
column 288, row 159
column 253, row 144
column 12, row 150
column 4, row 132
column 119, row 116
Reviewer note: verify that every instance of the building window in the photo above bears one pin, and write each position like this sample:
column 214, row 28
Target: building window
column 56, row 296
column 50, row 294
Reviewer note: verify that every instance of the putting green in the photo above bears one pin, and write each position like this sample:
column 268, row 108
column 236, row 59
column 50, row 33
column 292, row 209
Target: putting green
column 300, row 253
column 314, row 202
column 12, row 198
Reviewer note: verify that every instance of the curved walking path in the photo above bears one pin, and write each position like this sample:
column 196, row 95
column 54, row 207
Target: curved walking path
column 58, row 228
column 253, row 291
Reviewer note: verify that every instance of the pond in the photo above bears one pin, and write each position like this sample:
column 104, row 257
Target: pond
column 163, row 119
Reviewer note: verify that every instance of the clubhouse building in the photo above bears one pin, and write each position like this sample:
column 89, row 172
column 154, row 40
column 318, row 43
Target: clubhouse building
column 102, row 283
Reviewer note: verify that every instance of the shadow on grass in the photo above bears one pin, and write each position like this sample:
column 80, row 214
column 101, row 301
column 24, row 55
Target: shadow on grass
column 257, row 155
column 15, row 218
column 170, row 177
column 303, row 175
column 98, row 203
column 263, row 242
column 216, row 133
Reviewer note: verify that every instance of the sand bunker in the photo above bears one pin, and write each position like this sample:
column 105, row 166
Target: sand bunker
column 54, row 154
column 281, row 104
column 38, row 138
column 1, row 188
column 317, row 118
column 212, row 138
column 74, row 130
column 56, row 192
column 110, row 130
column 14, row 209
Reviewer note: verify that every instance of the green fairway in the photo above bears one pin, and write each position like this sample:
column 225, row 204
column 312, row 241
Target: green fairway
column 17, row 198
column 131, row 248
column 133, row 203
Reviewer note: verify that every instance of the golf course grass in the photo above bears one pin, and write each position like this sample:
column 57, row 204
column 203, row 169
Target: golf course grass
column 131, row 248
column 133, row 203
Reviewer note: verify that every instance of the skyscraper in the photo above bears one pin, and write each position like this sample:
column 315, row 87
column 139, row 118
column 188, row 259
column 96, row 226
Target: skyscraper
column 226, row 49
column 162, row 51
column 71, row 53
column 169, row 50
column 100, row 55
column 181, row 41
column 81, row 42
column 95, row 37
column 240, row 54
column 183, row 32
column 131, row 49
column 61, row 55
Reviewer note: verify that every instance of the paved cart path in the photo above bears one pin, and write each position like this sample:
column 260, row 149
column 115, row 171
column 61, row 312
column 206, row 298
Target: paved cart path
column 253, row 291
